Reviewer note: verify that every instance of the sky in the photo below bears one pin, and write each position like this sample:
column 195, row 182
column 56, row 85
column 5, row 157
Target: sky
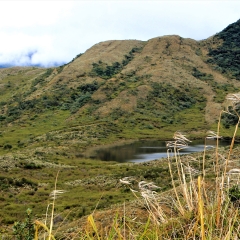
column 50, row 33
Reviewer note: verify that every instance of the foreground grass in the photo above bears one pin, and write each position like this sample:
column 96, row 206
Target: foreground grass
column 152, row 215
column 196, row 206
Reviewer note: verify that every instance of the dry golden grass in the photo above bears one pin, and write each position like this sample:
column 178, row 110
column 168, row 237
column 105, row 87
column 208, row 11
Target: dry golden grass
column 166, row 59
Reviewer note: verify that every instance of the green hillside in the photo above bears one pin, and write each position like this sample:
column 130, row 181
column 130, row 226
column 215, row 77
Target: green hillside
column 117, row 91
column 226, row 56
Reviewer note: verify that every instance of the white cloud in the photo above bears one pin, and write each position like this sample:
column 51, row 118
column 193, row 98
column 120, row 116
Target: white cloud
column 18, row 14
column 56, row 31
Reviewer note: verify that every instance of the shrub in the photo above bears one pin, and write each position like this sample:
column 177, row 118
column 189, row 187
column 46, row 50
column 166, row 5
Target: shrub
column 230, row 119
column 7, row 146
column 24, row 230
column 32, row 166
column 2, row 118
column 234, row 194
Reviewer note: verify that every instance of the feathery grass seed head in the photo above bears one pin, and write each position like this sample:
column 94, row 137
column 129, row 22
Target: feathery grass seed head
column 55, row 193
column 213, row 135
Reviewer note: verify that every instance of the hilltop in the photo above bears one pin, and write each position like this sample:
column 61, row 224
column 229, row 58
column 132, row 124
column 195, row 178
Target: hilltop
column 116, row 91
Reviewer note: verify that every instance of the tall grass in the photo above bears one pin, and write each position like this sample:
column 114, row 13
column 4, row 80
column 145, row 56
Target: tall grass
column 201, row 205
column 47, row 225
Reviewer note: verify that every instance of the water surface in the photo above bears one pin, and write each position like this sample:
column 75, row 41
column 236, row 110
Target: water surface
column 143, row 151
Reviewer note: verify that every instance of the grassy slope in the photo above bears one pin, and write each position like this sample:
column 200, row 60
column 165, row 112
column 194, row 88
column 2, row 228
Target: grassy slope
column 141, row 97
column 50, row 117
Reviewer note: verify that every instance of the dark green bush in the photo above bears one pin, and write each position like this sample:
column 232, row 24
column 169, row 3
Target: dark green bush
column 32, row 166
column 89, row 87
column 7, row 146
column 227, row 56
column 234, row 194
column 230, row 119
column 2, row 118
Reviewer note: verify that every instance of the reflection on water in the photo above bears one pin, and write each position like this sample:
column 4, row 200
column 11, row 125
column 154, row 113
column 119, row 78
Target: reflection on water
column 143, row 151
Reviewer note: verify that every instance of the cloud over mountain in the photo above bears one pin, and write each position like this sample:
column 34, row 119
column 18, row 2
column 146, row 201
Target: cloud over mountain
column 49, row 33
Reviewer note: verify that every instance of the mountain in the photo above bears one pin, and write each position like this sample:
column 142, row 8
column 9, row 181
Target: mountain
column 116, row 91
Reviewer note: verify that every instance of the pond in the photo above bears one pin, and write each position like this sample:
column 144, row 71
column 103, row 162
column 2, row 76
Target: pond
column 143, row 151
